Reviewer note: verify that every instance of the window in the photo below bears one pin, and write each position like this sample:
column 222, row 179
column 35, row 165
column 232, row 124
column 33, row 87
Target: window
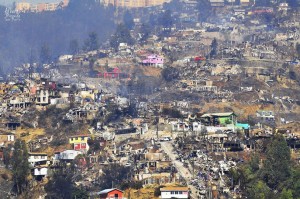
column 176, row 192
column 172, row 192
column 82, row 138
column 179, row 192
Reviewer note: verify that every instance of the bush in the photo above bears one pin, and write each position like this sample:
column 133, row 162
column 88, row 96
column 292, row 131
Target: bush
column 172, row 112
column 157, row 191
column 170, row 73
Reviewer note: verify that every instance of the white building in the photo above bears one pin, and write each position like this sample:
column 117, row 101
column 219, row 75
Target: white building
column 40, row 171
column 66, row 155
column 174, row 192
column 179, row 126
column 37, row 158
column 42, row 97
column 268, row 115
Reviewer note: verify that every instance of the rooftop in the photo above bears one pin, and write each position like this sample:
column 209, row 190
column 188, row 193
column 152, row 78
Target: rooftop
column 174, row 189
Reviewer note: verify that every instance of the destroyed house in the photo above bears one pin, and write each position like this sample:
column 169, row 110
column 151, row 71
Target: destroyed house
column 113, row 73
column 219, row 121
column 125, row 131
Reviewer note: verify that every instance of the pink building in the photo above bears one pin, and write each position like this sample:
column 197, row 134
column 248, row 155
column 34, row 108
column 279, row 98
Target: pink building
column 154, row 60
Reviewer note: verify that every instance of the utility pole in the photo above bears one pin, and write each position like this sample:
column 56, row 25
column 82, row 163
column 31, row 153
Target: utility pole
column 157, row 121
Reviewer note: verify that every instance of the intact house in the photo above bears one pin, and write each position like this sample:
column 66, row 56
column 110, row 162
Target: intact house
column 38, row 159
column 111, row 194
column 39, row 163
column 45, row 91
column 80, row 142
column 174, row 192
column 42, row 97
column 154, row 60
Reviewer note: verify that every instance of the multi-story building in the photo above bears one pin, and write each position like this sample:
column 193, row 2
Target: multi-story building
column 22, row 7
column 40, row 7
column 134, row 3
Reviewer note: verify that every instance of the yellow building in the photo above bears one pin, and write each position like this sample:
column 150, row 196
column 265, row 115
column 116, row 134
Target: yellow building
column 78, row 139
column 22, row 7
column 80, row 143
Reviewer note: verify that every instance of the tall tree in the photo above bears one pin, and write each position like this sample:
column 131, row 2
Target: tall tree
column 263, row 3
column 145, row 32
column 259, row 190
column 298, row 49
column 286, row 194
column 214, row 47
column 45, row 54
column 74, row 47
column 128, row 20
column 60, row 185
column 204, row 8
column 91, row 43
column 276, row 167
column 122, row 35
column 166, row 19
column 20, row 165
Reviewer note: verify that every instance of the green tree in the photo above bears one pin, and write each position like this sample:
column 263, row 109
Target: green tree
column 91, row 43
column 259, row 190
column 45, row 54
column 145, row 32
column 74, row 47
column 157, row 191
column 170, row 74
column 122, row 35
column 79, row 193
column 298, row 49
column 293, row 182
column 128, row 20
column 166, row 19
column 254, row 162
column 92, row 61
column 277, row 166
column 114, row 173
column 204, row 8
column 20, row 165
column 214, row 47
column 7, row 156
column 60, row 185
column 286, row 194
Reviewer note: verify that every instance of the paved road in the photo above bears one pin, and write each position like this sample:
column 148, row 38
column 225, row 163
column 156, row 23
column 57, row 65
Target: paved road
column 184, row 172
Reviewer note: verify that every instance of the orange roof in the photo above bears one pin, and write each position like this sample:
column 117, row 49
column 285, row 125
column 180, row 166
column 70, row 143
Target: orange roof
column 174, row 189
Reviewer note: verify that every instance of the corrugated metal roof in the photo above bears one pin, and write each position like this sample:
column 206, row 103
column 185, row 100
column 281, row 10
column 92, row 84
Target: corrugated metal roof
column 174, row 189
column 218, row 114
column 105, row 191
